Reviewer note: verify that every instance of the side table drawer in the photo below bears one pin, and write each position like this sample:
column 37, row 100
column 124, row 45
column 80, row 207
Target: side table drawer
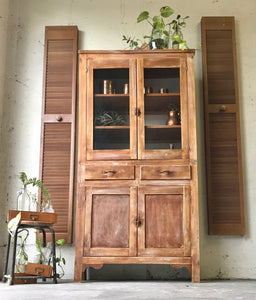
column 34, row 216
column 109, row 172
column 165, row 172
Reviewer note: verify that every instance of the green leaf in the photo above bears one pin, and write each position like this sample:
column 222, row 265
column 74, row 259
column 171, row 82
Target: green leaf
column 166, row 11
column 183, row 45
column 158, row 23
column 63, row 260
column 57, row 259
column 60, row 242
column 166, row 33
column 13, row 223
column 143, row 16
column 177, row 38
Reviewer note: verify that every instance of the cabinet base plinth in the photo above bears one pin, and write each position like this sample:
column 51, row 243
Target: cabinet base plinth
column 98, row 262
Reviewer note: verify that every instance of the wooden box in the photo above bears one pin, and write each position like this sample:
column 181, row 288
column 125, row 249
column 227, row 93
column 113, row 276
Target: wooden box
column 34, row 216
column 23, row 280
column 39, row 270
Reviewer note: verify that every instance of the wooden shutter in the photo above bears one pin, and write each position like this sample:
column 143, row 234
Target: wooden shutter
column 58, row 123
column 222, row 127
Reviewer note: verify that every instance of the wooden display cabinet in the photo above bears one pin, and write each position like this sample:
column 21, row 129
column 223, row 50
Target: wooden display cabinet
column 137, row 176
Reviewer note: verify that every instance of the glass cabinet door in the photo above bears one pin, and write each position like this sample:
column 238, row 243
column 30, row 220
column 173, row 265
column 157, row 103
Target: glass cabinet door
column 111, row 101
column 162, row 106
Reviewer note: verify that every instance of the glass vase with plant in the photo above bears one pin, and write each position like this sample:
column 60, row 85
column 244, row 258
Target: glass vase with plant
column 26, row 200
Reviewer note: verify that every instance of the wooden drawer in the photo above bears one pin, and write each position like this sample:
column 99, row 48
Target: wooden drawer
column 39, row 270
column 109, row 172
column 34, row 216
column 165, row 172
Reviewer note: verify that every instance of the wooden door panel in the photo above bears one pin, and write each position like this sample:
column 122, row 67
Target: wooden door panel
column 163, row 214
column 110, row 221
column 109, row 227
column 165, row 217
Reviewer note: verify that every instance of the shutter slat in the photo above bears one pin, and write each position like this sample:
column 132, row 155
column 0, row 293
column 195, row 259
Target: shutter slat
column 57, row 138
column 222, row 129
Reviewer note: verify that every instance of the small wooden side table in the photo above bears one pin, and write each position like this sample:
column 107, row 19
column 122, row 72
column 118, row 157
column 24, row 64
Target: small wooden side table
column 35, row 220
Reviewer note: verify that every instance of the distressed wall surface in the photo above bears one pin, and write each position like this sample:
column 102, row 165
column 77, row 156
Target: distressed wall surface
column 101, row 25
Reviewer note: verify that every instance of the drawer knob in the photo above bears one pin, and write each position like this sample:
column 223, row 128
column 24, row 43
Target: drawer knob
column 109, row 172
column 34, row 217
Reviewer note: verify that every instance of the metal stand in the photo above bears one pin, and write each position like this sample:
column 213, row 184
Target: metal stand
column 42, row 228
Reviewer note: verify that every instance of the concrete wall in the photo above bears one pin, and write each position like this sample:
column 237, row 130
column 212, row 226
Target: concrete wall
column 102, row 24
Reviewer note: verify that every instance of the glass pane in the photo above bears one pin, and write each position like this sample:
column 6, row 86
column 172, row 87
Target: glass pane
column 111, row 109
column 162, row 108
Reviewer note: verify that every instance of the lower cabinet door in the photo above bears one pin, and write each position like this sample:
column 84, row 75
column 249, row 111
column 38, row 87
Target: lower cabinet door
column 110, row 221
column 164, row 221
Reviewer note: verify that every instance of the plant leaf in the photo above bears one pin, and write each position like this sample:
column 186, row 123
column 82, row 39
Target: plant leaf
column 166, row 11
column 13, row 223
column 143, row 16
column 63, row 260
column 166, row 33
column 60, row 242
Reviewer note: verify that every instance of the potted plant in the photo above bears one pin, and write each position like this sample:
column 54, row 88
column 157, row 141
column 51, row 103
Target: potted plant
column 161, row 32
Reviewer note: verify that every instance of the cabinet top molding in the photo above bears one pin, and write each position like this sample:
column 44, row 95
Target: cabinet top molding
column 135, row 51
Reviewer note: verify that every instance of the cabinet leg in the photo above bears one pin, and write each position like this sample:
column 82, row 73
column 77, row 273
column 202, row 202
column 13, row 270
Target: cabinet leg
column 78, row 275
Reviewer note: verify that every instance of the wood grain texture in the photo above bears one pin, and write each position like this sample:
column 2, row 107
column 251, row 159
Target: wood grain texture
column 163, row 221
column 110, row 221
column 222, row 127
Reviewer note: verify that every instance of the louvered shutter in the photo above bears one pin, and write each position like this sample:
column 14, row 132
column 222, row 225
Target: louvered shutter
column 222, row 127
column 58, row 123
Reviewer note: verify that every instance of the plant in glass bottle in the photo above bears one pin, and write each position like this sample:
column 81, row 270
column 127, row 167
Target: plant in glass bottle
column 45, row 255
column 177, row 35
column 21, row 255
column 26, row 200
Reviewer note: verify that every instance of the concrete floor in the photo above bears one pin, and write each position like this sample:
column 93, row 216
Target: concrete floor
column 129, row 290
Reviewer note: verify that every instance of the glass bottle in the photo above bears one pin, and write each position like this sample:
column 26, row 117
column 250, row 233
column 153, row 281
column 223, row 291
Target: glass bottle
column 23, row 199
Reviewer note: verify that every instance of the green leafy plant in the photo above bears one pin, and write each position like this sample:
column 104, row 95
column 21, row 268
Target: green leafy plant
column 38, row 183
column 132, row 42
column 21, row 255
column 110, row 118
column 47, row 259
column 162, row 31
column 177, row 35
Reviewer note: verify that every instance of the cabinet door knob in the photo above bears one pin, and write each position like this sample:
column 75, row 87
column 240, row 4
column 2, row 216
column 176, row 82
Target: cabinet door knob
column 222, row 108
column 138, row 222
column 59, row 118
column 137, row 112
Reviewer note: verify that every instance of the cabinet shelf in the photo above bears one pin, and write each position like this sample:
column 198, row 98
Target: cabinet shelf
column 162, row 126
column 162, row 95
column 116, row 96
column 111, row 127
